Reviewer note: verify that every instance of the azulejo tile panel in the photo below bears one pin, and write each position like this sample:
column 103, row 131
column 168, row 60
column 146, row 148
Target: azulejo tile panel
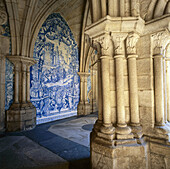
column 8, row 72
column 54, row 81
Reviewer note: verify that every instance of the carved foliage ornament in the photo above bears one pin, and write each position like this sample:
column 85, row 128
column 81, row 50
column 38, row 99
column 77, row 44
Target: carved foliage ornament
column 160, row 41
column 3, row 13
column 131, row 43
column 118, row 40
column 3, row 16
column 106, row 45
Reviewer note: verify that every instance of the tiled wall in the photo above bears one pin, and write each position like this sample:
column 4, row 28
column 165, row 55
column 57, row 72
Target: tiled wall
column 8, row 73
column 54, row 80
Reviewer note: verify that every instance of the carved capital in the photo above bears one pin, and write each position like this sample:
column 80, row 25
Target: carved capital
column 3, row 13
column 83, row 76
column 118, row 41
column 160, row 41
column 131, row 43
column 21, row 63
column 106, row 45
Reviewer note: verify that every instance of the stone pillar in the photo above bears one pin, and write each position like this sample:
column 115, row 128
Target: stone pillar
column 21, row 114
column 106, row 51
column 159, row 93
column 83, row 107
column 100, row 99
column 4, row 50
column 114, row 148
column 103, row 8
column 96, row 10
column 159, row 42
column 122, row 130
column 94, row 103
column 113, row 8
column 133, row 85
column 168, row 88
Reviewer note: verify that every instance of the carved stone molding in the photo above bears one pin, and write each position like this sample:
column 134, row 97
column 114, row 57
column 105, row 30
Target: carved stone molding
column 3, row 13
column 159, row 41
column 131, row 43
column 83, row 76
column 118, row 40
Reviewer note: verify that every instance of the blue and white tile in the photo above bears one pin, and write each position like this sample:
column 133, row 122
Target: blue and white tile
column 54, row 81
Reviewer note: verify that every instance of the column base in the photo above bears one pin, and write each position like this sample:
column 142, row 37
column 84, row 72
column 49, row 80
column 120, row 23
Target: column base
column 123, row 133
column 20, row 117
column 97, row 125
column 83, row 108
column 104, row 156
column 137, row 131
column 162, row 132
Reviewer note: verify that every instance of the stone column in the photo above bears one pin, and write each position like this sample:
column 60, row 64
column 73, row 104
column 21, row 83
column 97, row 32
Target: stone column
column 96, row 10
column 133, row 85
column 85, row 88
column 94, row 73
column 159, row 42
column 159, row 93
column 83, row 106
column 113, row 8
column 100, row 99
column 168, row 88
column 122, row 130
column 21, row 114
column 106, row 51
column 103, row 8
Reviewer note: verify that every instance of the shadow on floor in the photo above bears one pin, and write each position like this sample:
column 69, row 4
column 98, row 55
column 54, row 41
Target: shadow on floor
column 41, row 149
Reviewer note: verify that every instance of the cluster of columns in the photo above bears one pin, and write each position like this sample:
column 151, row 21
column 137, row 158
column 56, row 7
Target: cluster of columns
column 120, row 130
column 161, row 73
column 83, row 106
column 21, row 114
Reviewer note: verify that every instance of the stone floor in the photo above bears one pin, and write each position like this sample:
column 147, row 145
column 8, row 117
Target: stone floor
column 62, row 144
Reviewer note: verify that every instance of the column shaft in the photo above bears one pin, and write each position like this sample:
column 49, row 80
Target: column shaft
column 94, row 85
column 159, row 93
column 85, row 90
column 105, row 62
column 24, row 83
column 96, row 10
column 28, row 83
column 134, row 107
column 120, row 92
column 103, row 8
column 100, row 99
column 113, row 8
column 168, row 90
column 16, row 83
column 122, row 8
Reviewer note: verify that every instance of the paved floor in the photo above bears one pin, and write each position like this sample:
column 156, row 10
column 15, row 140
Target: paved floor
column 62, row 144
